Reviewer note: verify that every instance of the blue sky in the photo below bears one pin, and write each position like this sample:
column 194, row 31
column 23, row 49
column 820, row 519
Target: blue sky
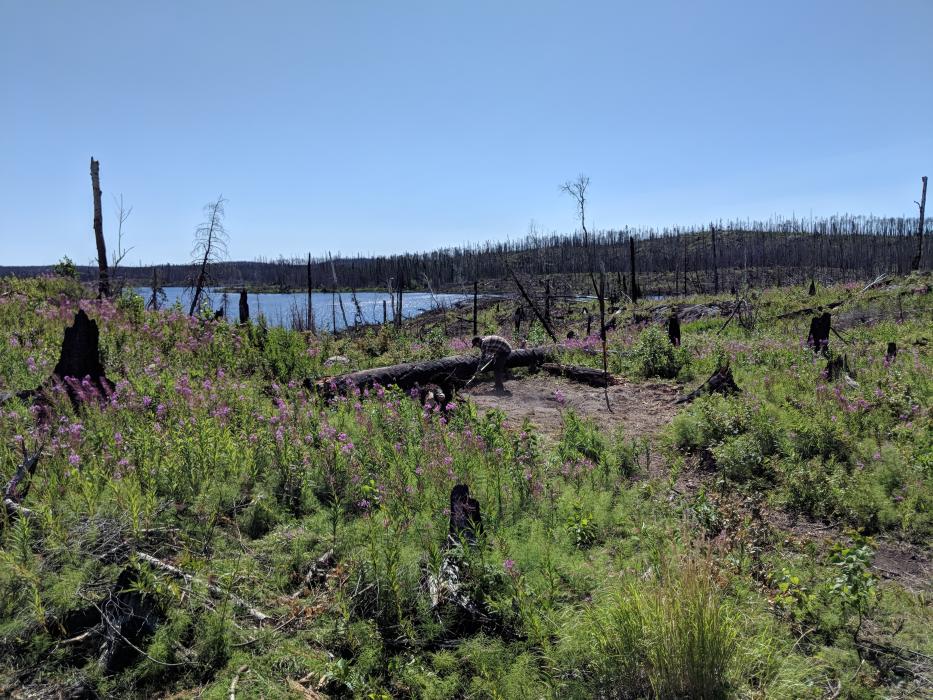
column 387, row 126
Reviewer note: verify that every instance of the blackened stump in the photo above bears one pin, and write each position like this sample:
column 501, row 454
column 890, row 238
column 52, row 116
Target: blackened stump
column 465, row 519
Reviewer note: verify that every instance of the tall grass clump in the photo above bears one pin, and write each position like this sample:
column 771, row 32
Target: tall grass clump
column 672, row 637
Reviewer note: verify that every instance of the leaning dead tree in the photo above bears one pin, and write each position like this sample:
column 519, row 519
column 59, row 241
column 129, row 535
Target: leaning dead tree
column 103, row 284
column 210, row 247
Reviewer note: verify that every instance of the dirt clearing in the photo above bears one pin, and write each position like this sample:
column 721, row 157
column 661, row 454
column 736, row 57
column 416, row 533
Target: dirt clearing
column 642, row 409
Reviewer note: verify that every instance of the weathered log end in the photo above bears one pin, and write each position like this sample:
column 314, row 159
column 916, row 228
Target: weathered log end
column 720, row 382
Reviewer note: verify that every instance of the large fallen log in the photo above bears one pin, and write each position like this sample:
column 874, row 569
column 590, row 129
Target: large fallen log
column 446, row 372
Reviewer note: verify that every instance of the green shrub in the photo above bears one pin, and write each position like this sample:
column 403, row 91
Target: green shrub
column 654, row 356
column 581, row 439
column 739, row 458
column 65, row 268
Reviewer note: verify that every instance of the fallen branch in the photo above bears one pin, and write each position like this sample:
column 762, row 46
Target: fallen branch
column 236, row 679
column 257, row 615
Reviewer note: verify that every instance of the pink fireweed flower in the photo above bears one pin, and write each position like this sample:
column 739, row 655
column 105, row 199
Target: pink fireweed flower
column 508, row 565
column 74, row 460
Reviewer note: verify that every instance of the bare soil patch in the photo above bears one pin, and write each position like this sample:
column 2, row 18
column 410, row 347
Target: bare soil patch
column 642, row 409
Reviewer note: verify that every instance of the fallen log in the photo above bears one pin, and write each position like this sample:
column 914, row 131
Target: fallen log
column 720, row 382
column 445, row 372
column 584, row 375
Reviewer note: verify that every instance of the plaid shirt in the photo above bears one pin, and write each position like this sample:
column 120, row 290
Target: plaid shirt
column 492, row 345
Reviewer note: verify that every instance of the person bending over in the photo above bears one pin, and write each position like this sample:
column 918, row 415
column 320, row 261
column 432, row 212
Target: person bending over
column 494, row 349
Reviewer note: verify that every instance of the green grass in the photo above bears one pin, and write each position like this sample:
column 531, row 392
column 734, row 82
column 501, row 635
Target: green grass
column 593, row 579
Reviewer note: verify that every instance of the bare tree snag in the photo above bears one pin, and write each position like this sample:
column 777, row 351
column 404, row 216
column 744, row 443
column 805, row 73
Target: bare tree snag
column 311, row 324
column 534, row 308
column 103, row 284
column 915, row 264
column 631, row 253
column 210, row 245
column 715, row 262
column 475, row 315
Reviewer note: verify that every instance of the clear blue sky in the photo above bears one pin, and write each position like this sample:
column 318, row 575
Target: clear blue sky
column 387, row 126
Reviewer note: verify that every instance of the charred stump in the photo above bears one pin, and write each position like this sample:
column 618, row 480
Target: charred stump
column 466, row 522
column 129, row 618
column 837, row 367
column 720, row 382
column 79, row 366
column 891, row 354
column 812, row 290
column 244, row 306
column 818, row 336
column 673, row 330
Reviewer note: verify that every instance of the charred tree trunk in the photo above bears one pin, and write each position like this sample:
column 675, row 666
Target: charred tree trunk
column 715, row 263
column 818, row 336
column 447, row 371
column 631, row 250
column 311, row 323
column 475, row 319
column 720, row 382
column 915, row 265
column 673, row 330
column 244, row 306
column 103, row 284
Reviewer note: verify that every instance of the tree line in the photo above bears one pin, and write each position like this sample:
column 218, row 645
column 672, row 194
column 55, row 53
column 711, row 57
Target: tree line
column 714, row 257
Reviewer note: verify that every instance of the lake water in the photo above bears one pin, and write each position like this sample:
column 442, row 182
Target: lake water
column 280, row 309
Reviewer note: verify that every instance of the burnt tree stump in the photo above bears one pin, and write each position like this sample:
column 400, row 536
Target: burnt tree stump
column 891, row 353
column 465, row 519
column 720, row 382
column 818, row 336
column 673, row 330
column 79, row 360
column 244, row 306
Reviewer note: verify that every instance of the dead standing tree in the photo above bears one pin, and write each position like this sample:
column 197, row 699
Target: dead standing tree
column 922, row 204
column 577, row 190
column 103, row 285
column 210, row 247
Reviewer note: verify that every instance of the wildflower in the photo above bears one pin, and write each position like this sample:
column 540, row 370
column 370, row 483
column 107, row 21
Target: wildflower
column 74, row 460
column 508, row 565
column 118, row 438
